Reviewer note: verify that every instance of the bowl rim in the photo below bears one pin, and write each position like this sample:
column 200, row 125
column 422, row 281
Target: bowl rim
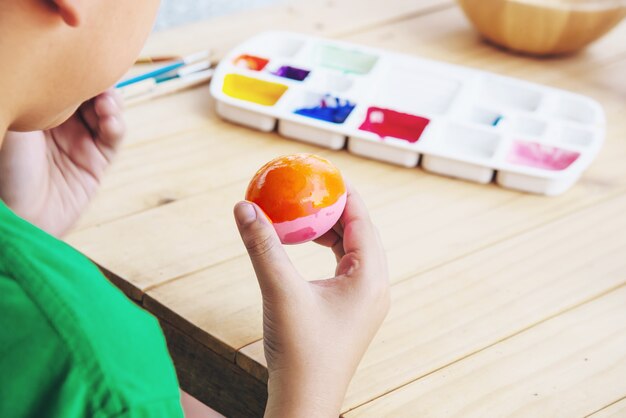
column 591, row 5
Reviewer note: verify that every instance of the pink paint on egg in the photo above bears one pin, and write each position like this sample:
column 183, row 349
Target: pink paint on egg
column 311, row 227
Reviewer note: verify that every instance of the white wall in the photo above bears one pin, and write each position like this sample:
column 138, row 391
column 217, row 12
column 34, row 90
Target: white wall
column 178, row 12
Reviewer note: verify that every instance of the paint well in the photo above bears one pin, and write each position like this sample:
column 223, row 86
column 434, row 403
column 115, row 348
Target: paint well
column 292, row 73
column 389, row 123
column 345, row 60
column 576, row 109
column 526, row 125
column 502, row 92
column 468, row 141
column 328, row 108
column 532, row 154
column 576, row 136
column 331, row 82
column 411, row 90
column 253, row 90
column 484, row 116
column 251, row 62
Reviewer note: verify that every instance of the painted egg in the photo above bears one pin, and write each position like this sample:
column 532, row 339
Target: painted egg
column 303, row 195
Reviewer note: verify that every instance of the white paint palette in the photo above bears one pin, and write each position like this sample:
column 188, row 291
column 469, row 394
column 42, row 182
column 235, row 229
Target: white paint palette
column 404, row 110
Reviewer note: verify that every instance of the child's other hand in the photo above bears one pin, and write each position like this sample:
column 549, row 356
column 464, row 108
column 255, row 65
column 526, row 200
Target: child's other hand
column 315, row 333
column 48, row 177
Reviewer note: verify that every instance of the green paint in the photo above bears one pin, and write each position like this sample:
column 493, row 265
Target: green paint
column 346, row 60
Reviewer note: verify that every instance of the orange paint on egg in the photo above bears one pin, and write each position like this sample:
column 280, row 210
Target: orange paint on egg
column 296, row 186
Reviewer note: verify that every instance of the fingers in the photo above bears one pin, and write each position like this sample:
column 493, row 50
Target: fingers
column 354, row 239
column 108, row 103
column 365, row 263
column 333, row 239
column 360, row 235
column 365, row 257
column 273, row 268
column 108, row 107
column 103, row 117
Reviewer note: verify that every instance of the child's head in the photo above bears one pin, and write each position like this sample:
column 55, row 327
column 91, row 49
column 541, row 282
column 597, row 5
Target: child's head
column 55, row 54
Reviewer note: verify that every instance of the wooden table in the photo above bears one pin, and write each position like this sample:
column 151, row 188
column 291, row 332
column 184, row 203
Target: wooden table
column 503, row 303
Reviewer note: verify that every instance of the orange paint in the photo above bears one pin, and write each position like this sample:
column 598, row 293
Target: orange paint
column 251, row 62
column 295, row 186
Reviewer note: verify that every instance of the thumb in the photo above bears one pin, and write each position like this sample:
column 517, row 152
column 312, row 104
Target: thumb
column 273, row 268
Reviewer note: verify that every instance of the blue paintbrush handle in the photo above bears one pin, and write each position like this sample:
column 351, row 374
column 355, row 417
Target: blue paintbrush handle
column 151, row 74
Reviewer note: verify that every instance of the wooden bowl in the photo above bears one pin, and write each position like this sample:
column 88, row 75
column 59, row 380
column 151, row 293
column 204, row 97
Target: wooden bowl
column 544, row 27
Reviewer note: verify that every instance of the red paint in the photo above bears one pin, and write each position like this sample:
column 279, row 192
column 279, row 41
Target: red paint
column 251, row 62
column 389, row 123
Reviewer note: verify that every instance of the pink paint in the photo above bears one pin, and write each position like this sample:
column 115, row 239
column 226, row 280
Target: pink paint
column 536, row 155
column 311, row 227
column 301, row 235
column 389, row 123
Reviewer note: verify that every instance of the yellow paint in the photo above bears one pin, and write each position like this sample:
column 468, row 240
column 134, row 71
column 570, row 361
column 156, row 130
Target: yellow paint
column 253, row 90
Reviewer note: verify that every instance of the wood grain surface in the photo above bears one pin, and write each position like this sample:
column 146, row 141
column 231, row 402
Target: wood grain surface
column 498, row 296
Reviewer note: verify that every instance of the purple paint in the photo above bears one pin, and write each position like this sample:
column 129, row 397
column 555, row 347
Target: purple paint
column 536, row 155
column 292, row 73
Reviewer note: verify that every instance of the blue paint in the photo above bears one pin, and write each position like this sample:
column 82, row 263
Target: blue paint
column 331, row 109
column 497, row 121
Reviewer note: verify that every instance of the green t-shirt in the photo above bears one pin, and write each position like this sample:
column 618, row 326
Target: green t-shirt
column 71, row 344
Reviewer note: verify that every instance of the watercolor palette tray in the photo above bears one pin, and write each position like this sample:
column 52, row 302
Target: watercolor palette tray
column 451, row 120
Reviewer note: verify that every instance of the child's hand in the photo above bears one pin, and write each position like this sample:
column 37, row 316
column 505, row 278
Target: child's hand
column 48, row 177
column 316, row 333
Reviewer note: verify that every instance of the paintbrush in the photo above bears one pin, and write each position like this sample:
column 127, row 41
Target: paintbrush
column 147, row 85
column 172, row 85
column 189, row 59
column 156, row 59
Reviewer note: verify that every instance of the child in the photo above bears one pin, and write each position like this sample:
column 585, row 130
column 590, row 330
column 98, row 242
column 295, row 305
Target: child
column 71, row 345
